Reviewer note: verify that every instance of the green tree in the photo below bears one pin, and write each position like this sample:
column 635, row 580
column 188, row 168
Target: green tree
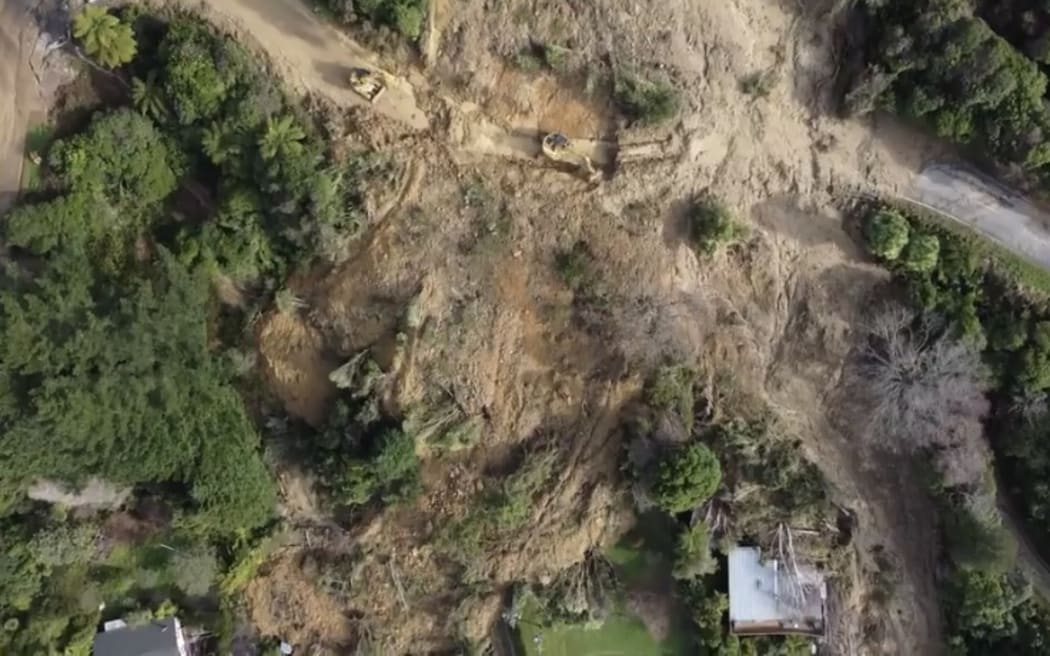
column 122, row 156
column 391, row 474
column 283, row 138
column 686, row 478
column 75, row 219
column 194, row 569
column 921, row 253
column 104, row 36
column 408, row 16
column 886, row 233
column 221, row 143
column 193, row 79
column 148, row 97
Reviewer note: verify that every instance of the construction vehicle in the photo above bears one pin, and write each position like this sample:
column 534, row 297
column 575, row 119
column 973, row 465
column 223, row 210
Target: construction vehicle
column 559, row 148
column 367, row 84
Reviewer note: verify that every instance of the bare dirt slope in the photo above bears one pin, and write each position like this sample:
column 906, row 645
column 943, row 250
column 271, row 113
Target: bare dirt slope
column 471, row 250
column 19, row 98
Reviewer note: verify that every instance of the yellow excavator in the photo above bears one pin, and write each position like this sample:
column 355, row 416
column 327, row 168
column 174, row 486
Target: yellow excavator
column 559, row 148
column 367, row 84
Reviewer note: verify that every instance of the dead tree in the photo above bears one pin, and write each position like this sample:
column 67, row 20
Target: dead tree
column 919, row 380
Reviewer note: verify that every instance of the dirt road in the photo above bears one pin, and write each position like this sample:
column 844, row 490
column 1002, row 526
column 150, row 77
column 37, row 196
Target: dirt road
column 311, row 54
column 18, row 92
column 986, row 207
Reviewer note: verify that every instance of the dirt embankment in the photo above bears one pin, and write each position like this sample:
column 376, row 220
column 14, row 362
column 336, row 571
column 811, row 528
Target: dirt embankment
column 471, row 247
column 20, row 97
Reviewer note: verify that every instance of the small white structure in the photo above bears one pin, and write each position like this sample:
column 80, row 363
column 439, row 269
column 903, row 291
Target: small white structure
column 774, row 597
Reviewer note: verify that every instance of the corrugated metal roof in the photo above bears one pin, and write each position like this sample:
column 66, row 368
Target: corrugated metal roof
column 160, row 638
column 763, row 593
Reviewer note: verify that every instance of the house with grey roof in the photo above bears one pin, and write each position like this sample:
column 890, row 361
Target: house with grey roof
column 157, row 638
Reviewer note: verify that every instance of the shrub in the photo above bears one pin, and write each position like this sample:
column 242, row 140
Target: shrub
column 556, row 57
column 645, row 101
column 759, row 84
column 711, row 225
column 687, row 478
column 671, row 390
column 575, row 266
column 886, row 233
column 693, row 556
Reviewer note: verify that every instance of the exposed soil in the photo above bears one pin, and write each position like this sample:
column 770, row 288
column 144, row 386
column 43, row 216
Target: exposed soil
column 20, row 98
column 468, row 242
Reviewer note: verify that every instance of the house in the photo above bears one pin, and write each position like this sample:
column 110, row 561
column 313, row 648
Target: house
column 158, row 638
column 774, row 597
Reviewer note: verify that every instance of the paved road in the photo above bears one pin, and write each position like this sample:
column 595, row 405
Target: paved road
column 987, row 207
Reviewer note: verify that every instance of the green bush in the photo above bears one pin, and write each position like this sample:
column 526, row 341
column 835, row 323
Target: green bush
column 686, row 478
column 575, row 266
column 670, row 389
column 693, row 557
column 645, row 101
column 391, row 474
column 886, row 233
column 122, row 157
column 711, row 225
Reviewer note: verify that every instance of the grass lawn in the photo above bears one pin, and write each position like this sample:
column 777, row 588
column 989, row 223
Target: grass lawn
column 37, row 140
column 620, row 635
column 30, row 175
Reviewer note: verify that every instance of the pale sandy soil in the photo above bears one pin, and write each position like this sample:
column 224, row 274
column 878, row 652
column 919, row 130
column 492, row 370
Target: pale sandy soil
column 19, row 98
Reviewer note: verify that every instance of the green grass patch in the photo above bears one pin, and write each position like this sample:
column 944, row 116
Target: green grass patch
column 30, row 175
column 621, row 634
column 38, row 138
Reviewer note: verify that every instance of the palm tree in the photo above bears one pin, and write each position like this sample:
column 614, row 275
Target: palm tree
column 104, row 37
column 283, row 137
column 220, row 143
column 149, row 97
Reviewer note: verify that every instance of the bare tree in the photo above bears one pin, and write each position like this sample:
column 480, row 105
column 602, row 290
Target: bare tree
column 924, row 390
column 919, row 381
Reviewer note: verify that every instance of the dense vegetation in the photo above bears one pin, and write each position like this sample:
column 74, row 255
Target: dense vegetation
column 990, row 341
column 936, row 62
column 117, row 361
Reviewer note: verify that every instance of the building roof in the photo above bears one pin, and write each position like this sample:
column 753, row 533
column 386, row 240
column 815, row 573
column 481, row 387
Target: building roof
column 159, row 638
column 769, row 598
